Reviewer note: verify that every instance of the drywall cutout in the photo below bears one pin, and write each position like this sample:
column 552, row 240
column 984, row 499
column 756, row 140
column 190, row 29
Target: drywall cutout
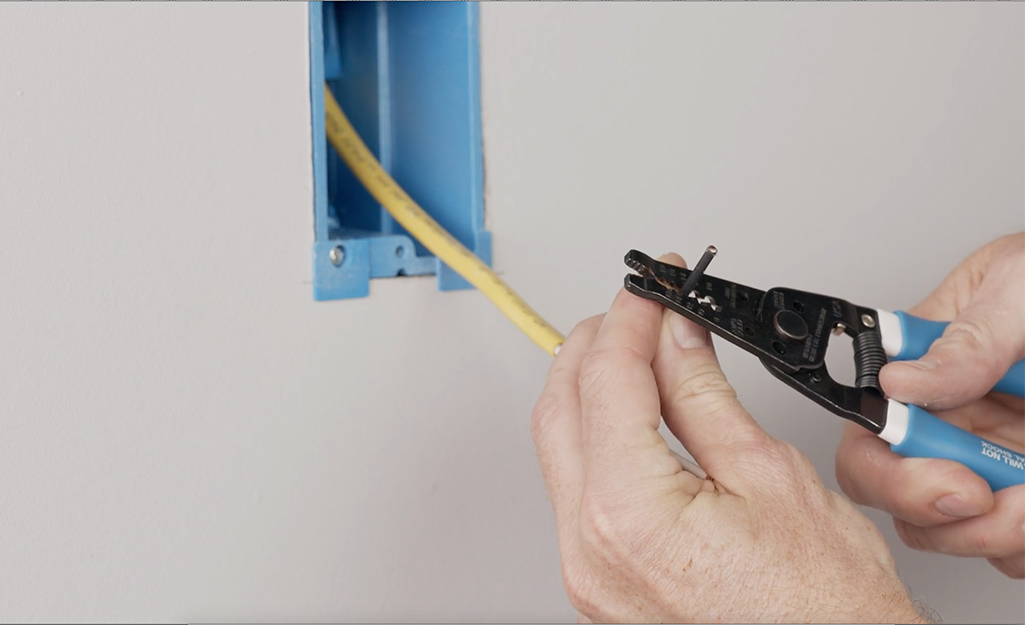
column 408, row 77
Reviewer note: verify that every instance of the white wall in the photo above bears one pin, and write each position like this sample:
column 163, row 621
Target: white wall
column 186, row 435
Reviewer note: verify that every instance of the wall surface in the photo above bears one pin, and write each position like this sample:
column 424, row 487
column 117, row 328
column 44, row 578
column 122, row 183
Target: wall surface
column 186, row 435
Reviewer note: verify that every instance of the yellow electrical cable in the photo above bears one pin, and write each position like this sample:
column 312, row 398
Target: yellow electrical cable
column 396, row 201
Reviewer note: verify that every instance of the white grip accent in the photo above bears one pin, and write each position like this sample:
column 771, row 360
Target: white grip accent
column 896, row 428
column 890, row 332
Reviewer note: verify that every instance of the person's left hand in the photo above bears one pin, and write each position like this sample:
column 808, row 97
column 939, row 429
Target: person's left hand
column 642, row 540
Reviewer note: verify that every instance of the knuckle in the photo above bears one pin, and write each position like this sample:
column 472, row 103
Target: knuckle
column 605, row 531
column 759, row 456
column 706, row 385
column 794, row 459
column 588, row 325
column 836, row 501
column 585, row 328
column 597, row 525
column 601, row 364
column 593, row 371
column 579, row 588
column 779, row 453
column 971, row 335
column 789, row 466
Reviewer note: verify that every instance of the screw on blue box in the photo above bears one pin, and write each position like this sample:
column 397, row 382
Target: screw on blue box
column 408, row 77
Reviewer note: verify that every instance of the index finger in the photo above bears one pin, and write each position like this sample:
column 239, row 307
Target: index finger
column 620, row 413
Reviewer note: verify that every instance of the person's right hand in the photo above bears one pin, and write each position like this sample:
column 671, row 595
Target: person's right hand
column 941, row 505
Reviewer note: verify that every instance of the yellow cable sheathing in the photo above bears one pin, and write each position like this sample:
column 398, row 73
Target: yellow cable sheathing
column 417, row 222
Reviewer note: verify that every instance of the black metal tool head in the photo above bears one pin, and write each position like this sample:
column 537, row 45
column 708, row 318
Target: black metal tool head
column 788, row 330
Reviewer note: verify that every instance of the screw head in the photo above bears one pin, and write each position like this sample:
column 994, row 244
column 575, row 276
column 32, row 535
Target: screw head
column 868, row 321
column 337, row 255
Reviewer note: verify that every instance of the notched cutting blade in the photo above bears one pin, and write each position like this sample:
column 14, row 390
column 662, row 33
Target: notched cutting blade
column 730, row 310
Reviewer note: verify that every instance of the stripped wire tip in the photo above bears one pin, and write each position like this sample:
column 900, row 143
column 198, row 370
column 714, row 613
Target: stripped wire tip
column 699, row 269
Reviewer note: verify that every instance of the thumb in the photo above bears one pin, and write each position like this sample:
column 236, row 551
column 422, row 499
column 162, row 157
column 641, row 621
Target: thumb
column 964, row 364
column 699, row 405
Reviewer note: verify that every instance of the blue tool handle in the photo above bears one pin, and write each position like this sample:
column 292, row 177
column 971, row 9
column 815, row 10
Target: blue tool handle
column 918, row 334
column 931, row 437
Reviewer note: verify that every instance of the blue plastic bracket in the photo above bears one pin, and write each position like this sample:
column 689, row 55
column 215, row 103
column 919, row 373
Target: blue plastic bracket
column 408, row 77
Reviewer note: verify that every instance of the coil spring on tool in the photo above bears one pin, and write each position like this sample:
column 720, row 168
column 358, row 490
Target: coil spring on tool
column 869, row 358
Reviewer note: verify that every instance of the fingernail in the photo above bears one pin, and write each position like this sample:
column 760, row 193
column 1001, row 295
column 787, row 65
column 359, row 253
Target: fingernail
column 688, row 334
column 925, row 364
column 954, row 506
column 668, row 258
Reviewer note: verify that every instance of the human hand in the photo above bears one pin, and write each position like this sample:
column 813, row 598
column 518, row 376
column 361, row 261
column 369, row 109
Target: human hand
column 940, row 505
column 640, row 539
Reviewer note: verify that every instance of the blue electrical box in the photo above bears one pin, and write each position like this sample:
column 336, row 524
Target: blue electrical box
column 407, row 74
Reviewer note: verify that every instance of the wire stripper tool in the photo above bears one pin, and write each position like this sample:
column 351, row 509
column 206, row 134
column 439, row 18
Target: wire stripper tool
column 789, row 330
